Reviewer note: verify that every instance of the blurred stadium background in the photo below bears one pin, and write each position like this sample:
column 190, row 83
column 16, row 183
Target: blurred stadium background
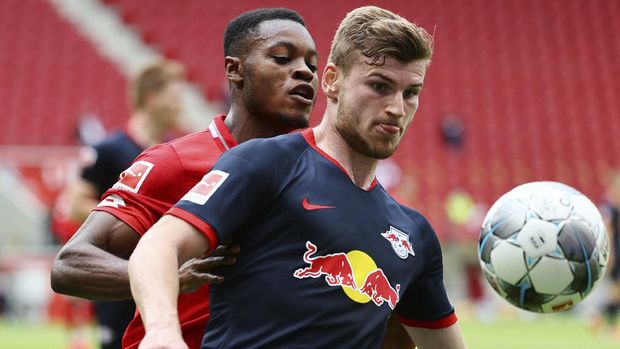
column 518, row 91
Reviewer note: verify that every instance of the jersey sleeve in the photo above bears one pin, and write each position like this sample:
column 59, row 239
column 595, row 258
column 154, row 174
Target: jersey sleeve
column 425, row 301
column 144, row 191
column 232, row 195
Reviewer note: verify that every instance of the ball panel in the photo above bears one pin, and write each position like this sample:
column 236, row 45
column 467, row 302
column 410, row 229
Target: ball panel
column 508, row 262
column 585, row 274
column 577, row 240
column 551, row 275
column 509, row 219
column 487, row 244
column 551, row 205
column 524, row 296
column 538, row 238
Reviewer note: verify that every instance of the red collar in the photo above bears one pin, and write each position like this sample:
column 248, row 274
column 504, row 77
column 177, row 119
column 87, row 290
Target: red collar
column 221, row 133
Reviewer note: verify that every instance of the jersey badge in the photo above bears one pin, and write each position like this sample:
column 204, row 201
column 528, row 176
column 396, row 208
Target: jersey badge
column 399, row 241
column 207, row 186
column 132, row 178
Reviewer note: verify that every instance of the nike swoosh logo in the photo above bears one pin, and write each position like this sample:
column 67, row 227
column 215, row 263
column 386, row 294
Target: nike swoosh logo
column 311, row 207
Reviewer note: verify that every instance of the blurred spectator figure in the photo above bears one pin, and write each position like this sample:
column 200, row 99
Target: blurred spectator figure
column 452, row 131
column 90, row 129
column 155, row 95
column 611, row 214
column 465, row 217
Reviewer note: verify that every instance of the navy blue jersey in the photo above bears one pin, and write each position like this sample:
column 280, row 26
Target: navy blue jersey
column 323, row 262
column 114, row 155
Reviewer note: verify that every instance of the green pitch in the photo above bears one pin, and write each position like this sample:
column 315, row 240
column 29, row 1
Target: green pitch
column 542, row 332
column 551, row 331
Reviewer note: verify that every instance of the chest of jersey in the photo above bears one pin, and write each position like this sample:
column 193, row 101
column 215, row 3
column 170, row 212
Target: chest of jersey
column 324, row 233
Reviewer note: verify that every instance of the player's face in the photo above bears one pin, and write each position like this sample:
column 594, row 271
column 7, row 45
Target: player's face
column 166, row 106
column 377, row 103
column 280, row 84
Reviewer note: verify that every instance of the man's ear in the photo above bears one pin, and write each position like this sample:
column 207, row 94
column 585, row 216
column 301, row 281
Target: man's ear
column 332, row 78
column 234, row 69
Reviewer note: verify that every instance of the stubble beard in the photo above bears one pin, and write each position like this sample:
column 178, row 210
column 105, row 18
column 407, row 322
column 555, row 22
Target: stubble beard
column 346, row 126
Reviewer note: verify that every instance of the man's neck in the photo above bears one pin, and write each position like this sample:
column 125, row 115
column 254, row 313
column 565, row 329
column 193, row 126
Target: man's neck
column 243, row 126
column 145, row 133
column 360, row 168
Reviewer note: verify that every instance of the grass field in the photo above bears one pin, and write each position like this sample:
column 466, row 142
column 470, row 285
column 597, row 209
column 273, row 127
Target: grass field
column 545, row 332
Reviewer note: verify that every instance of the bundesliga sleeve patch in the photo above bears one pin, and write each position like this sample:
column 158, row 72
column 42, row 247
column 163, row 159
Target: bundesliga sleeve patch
column 132, row 178
column 112, row 201
column 207, row 186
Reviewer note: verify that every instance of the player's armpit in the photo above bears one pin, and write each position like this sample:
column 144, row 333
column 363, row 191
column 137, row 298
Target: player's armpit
column 93, row 263
column 445, row 338
column 396, row 337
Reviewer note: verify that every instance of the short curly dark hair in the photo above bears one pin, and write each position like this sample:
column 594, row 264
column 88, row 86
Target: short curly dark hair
column 238, row 30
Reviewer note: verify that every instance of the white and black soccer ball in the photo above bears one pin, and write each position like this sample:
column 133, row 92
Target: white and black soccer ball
column 543, row 246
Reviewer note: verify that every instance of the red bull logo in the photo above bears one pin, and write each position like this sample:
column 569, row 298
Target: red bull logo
column 335, row 267
column 378, row 288
column 399, row 241
column 207, row 186
column 132, row 178
column 348, row 270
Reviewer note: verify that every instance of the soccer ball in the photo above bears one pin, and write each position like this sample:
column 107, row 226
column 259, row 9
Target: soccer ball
column 543, row 246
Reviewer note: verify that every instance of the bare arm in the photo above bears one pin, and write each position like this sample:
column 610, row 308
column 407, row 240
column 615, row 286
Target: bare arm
column 154, row 278
column 93, row 264
column 445, row 338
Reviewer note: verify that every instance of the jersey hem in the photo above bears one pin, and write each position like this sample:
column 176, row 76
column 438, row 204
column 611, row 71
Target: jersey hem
column 197, row 223
column 444, row 322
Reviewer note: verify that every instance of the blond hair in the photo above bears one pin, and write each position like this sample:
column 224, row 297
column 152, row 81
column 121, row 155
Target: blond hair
column 153, row 79
column 376, row 33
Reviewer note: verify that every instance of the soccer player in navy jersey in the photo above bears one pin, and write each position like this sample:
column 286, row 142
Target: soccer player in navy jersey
column 326, row 254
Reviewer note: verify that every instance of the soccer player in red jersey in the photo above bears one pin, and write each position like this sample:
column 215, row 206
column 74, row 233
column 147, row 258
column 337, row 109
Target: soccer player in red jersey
column 271, row 64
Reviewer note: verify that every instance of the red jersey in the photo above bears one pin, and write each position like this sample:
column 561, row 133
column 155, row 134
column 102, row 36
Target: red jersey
column 156, row 180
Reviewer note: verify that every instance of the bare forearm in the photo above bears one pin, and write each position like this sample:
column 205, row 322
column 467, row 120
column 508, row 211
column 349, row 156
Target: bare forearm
column 154, row 284
column 91, row 273
column 153, row 272
column 93, row 264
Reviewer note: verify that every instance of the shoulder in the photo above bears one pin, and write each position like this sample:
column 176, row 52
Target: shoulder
column 419, row 219
column 414, row 215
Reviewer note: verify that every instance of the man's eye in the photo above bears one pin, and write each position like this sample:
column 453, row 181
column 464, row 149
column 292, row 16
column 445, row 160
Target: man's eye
column 312, row 67
column 281, row 59
column 379, row 87
column 411, row 93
